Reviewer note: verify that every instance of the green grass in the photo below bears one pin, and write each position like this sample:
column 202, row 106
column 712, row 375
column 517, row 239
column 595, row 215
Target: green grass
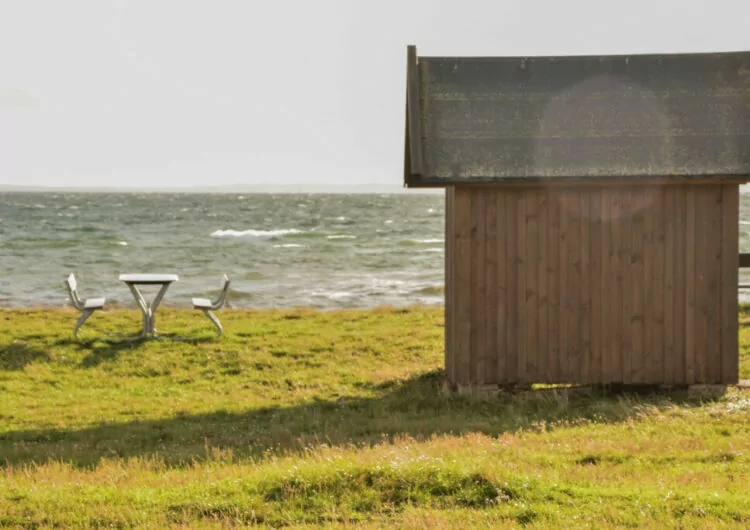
column 305, row 418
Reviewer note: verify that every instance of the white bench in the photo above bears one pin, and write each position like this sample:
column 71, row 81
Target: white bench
column 87, row 306
column 207, row 306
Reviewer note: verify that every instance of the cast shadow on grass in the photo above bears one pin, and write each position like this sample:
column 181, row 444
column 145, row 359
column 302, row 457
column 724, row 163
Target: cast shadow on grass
column 17, row 355
column 100, row 349
column 416, row 408
column 108, row 348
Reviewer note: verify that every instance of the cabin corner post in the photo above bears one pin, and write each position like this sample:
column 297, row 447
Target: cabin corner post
column 458, row 325
column 449, row 313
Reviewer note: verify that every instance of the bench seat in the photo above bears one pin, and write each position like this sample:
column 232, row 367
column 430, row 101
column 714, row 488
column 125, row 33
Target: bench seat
column 202, row 303
column 94, row 303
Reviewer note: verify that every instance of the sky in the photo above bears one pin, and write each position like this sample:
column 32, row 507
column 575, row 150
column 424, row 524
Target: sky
column 162, row 93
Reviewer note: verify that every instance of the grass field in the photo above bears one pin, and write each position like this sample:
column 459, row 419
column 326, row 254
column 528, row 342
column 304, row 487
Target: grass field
column 304, row 418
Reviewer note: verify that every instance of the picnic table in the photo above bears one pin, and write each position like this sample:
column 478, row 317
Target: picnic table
column 148, row 310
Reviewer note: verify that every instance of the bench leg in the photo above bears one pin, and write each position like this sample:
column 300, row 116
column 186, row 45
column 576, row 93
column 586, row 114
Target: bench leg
column 86, row 314
column 213, row 319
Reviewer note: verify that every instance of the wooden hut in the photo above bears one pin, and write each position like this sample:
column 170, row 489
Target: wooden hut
column 591, row 222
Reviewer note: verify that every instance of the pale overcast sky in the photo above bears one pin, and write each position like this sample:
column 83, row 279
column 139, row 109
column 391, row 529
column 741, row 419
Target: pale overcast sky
column 194, row 92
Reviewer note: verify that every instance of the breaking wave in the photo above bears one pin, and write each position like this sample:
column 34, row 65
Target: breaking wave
column 254, row 235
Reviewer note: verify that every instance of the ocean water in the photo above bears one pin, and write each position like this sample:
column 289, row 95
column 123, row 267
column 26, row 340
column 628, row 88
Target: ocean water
column 326, row 251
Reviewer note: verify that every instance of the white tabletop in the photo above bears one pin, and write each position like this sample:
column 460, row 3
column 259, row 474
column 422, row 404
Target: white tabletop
column 149, row 278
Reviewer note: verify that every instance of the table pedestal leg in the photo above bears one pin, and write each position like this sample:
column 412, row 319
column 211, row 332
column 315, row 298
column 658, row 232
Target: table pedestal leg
column 148, row 310
column 154, row 306
column 145, row 329
column 143, row 307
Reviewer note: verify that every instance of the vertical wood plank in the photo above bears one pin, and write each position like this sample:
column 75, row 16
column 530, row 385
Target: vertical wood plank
column 659, row 295
column 648, row 360
column 512, row 263
column 638, row 287
column 679, row 230
column 701, row 283
column 626, row 283
column 521, row 267
column 478, row 327
column 583, row 369
column 552, row 367
column 501, row 231
column 609, row 284
column 690, row 309
column 729, row 281
column 491, row 293
column 463, row 291
column 596, row 309
column 574, row 286
column 653, row 264
column 671, row 227
column 542, row 277
column 531, row 293
column 714, row 215
column 564, row 287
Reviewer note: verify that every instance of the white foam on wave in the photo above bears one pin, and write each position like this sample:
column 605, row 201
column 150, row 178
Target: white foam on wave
column 337, row 295
column 427, row 241
column 122, row 243
column 745, row 222
column 253, row 235
column 333, row 295
column 288, row 245
column 433, row 250
column 342, row 237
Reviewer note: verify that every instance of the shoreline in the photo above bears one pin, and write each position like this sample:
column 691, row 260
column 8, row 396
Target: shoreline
column 743, row 300
column 175, row 307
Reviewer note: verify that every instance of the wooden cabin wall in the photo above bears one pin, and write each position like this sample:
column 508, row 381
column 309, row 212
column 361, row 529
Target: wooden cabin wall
column 633, row 284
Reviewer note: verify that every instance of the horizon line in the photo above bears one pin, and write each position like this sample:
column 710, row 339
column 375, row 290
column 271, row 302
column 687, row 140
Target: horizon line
column 229, row 188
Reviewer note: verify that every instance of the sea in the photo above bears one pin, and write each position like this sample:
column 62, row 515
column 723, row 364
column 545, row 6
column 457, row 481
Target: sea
column 325, row 251
column 279, row 250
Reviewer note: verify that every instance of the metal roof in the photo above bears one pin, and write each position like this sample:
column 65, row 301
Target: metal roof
column 508, row 119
